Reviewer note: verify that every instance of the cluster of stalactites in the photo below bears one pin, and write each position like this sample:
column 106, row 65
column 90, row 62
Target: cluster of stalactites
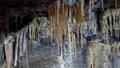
column 67, row 21
column 96, row 50
column 64, row 21
column 111, row 21
column 15, row 45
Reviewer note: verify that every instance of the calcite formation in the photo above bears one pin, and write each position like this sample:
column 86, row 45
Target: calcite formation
column 68, row 34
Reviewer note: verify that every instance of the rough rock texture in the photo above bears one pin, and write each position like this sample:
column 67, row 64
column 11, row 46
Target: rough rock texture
column 68, row 34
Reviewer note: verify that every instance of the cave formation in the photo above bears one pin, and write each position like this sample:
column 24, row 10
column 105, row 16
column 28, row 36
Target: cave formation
column 59, row 34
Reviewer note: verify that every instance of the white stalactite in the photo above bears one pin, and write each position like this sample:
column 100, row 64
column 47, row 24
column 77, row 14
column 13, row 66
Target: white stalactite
column 21, row 43
column 16, row 50
column 8, row 50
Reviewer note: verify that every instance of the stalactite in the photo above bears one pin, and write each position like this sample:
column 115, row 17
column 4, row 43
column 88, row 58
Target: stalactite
column 119, row 22
column 69, row 30
column 61, row 34
column 90, row 23
column 62, row 27
column 21, row 43
column 56, row 11
column 32, row 32
column 16, row 50
column 119, row 18
column 4, row 55
column 63, row 9
column 8, row 49
column 92, row 4
column 117, row 27
column 110, row 24
column 54, row 28
column 51, row 28
column 79, row 17
column 114, row 23
column 74, row 43
column 27, row 59
column 81, row 22
column 105, row 24
column 50, row 16
column 24, row 41
column 29, row 27
column 35, row 31
column 102, row 4
column 89, row 9
column 66, row 22
column 38, row 31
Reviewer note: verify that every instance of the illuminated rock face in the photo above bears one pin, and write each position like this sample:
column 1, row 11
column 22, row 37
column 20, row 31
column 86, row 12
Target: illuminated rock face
column 73, row 34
